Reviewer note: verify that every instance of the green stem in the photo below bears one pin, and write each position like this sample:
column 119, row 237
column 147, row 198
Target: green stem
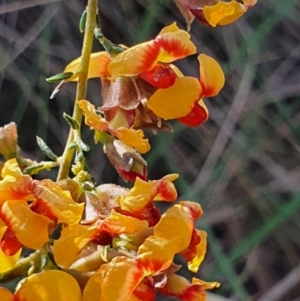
column 81, row 86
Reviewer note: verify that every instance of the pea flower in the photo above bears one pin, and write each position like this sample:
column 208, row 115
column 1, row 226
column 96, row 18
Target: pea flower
column 124, row 152
column 213, row 12
column 29, row 210
column 183, row 100
column 112, row 211
column 139, row 275
column 131, row 76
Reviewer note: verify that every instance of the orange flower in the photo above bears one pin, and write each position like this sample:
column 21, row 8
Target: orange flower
column 74, row 238
column 181, row 288
column 143, row 193
column 183, row 100
column 112, row 211
column 7, row 261
column 124, row 77
column 213, row 12
column 28, row 210
column 131, row 137
column 121, row 279
column 148, row 59
column 45, row 286
column 124, row 154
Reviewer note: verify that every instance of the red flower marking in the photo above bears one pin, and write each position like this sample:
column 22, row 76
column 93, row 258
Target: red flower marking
column 10, row 245
column 195, row 117
column 161, row 76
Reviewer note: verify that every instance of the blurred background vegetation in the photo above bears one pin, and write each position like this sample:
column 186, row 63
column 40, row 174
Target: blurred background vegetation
column 242, row 166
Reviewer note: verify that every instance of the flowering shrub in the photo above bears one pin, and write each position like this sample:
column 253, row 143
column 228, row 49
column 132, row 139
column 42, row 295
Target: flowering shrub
column 108, row 242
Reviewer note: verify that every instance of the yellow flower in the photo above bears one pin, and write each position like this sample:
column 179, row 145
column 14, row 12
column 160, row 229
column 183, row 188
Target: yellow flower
column 183, row 100
column 213, row 12
column 181, row 288
column 131, row 137
column 143, row 193
column 28, row 210
column 113, row 211
column 134, row 74
column 45, row 286
column 170, row 45
column 122, row 278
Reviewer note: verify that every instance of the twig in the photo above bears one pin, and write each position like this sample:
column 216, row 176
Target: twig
column 81, row 86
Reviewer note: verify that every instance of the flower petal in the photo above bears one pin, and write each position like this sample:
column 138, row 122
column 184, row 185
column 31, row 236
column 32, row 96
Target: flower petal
column 181, row 288
column 14, row 185
column 171, row 44
column 177, row 224
column 161, row 76
column 58, row 201
column 72, row 240
column 177, row 100
column 212, row 78
column 194, row 209
column 97, row 67
column 119, row 278
column 249, row 3
column 30, row 228
column 197, row 116
column 174, row 44
column 194, row 264
column 155, row 254
column 10, row 245
column 223, row 13
column 92, row 119
column 119, row 223
column 134, row 60
column 133, row 138
column 149, row 213
column 143, row 193
column 166, row 190
column 92, row 290
column 176, row 70
column 205, row 285
column 143, row 292
column 5, row 294
column 7, row 262
column 48, row 286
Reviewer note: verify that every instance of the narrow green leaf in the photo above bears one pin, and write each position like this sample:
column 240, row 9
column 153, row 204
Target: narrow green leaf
column 33, row 169
column 82, row 21
column 78, row 157
column 71, row 121
column 60, row 76
column 45, row 149
column 83, row 146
